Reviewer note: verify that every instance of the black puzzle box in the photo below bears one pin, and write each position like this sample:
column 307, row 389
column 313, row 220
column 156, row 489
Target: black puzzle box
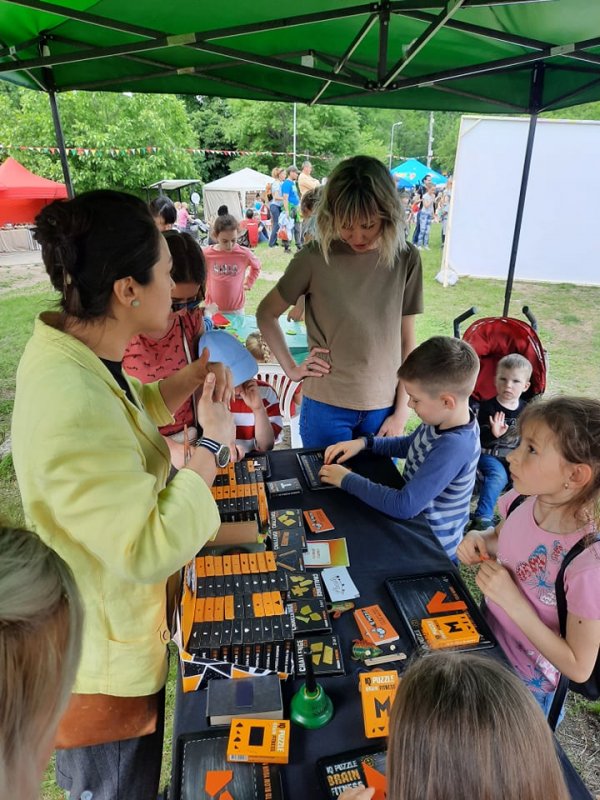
column 439, row 612
column 202, row 772
column 353, row 769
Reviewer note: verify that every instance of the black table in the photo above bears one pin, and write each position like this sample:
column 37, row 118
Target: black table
column 379, row 547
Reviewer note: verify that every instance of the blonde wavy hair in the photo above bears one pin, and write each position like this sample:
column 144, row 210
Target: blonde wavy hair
column 361, row 188
column 258, row 347
column 40, row 643
column 464, row 726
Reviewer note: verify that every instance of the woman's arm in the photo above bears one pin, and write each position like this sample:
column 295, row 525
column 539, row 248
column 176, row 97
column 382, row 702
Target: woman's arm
column 394, row 425
column 267, row 317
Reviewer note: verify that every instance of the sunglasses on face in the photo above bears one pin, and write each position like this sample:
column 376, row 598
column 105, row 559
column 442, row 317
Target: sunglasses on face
column 189, row 304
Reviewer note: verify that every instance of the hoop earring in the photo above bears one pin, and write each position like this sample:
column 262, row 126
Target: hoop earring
column 135, row 303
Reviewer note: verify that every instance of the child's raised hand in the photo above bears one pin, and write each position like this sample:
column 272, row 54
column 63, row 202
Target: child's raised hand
column 498, row 424
column 250, row 395
column 333, row 474
column 472, row 549
column 342, row 451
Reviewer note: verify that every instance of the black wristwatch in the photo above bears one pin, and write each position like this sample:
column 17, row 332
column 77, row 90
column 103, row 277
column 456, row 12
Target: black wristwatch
column 220, row 451
column 368, row 437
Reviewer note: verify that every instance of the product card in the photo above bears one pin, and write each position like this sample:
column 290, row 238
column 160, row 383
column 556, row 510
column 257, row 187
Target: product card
column 339, row 584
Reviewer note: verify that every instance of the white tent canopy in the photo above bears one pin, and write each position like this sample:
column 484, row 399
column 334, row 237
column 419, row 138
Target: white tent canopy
column 231, row 192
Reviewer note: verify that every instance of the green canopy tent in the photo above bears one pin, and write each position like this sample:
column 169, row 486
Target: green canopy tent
column 511, row 56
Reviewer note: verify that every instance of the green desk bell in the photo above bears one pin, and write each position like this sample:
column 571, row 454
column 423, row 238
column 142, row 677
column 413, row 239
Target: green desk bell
column 311, row 707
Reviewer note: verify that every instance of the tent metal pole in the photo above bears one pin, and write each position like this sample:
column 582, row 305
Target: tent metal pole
column 537, row 86
column 60, row 140
column 58, row 132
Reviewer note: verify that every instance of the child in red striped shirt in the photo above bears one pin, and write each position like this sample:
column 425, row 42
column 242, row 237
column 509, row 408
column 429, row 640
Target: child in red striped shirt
column 255, row 406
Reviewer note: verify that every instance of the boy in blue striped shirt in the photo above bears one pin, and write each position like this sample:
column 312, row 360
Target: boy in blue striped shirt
column 441, row 454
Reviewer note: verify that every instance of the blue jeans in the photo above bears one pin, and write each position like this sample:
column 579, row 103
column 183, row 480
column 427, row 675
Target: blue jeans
column 495, row 478
column 545, row 703
column 275, row 212
column 424, row 226
column 322, row 424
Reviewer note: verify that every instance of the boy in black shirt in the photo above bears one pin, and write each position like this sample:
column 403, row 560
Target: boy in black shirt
column 498, row 426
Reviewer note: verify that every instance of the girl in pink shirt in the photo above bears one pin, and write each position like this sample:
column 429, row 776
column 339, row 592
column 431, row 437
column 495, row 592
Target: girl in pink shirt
column 226, row 266
column 557, row 465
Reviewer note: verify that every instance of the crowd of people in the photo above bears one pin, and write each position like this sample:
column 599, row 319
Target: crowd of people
column 139, row 399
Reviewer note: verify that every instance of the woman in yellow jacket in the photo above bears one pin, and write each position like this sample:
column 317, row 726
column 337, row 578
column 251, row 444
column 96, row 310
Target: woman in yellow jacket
column 92, row 471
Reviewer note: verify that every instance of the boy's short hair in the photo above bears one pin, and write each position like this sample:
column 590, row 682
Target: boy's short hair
column 442, row 364
column 249, row 214
column 515, row 361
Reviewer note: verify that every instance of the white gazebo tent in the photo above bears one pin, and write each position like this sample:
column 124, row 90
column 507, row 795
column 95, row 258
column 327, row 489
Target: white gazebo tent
column 231, row 191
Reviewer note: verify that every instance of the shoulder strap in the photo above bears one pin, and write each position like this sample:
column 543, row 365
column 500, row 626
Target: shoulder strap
column 519, row 499
column 561, row 606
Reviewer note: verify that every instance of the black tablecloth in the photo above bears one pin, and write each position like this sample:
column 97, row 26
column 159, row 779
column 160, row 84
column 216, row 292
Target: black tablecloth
column 379, row 547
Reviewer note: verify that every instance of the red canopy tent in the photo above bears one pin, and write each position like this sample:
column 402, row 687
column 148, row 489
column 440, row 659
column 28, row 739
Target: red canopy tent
column 23, row 194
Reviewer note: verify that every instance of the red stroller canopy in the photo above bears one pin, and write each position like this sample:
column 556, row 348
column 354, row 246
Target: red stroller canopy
column 492, row 338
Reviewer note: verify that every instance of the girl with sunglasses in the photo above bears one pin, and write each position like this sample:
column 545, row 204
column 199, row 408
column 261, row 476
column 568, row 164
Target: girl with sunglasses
column 151, row 357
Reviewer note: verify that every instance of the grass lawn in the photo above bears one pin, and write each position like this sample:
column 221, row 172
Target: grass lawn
column 569, row 327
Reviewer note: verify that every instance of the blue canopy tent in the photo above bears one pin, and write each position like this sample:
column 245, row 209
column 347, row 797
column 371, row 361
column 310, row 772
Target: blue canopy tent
column 413, row 171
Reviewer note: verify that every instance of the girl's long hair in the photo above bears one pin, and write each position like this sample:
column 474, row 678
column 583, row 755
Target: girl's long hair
column 361, row 189
column 40, row 643
column 464, row 726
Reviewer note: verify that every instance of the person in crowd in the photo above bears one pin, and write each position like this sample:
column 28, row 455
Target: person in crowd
column 163, row 212
column 97, row 489
column 363, row 286
column 426, row 217
column 276, row 202
column 420, row 190
column 443, row 208
column 463, row 726
column 305, row 180
column 152, row 357
column 183, row 217
column 291, row 204
column 257, row 202
column 255, row 405
column 441, row 454
column 40, row 644
column 557, row 465
column 231, row 270
column 254, row 227
column 308, row 205
column 498, row 418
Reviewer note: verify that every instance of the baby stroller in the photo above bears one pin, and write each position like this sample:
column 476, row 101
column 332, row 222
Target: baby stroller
column 492, row 338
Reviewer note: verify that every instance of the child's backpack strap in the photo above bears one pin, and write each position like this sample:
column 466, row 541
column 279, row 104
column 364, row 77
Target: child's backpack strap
column 519, row 499
column 591, row 687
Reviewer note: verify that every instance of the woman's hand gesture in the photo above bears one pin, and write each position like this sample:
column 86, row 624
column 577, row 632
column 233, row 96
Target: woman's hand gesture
column 315, row 366
column 214, row 415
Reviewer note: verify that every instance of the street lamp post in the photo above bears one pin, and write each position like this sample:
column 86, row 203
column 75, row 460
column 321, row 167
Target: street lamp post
column 395, row 125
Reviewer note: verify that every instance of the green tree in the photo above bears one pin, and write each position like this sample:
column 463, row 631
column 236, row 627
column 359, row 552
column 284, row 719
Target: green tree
column 101, row 121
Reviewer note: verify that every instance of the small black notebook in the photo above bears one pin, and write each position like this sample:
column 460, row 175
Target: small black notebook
column 202, row 771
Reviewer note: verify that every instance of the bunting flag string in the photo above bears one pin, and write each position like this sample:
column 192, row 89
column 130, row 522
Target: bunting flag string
column 150, row 150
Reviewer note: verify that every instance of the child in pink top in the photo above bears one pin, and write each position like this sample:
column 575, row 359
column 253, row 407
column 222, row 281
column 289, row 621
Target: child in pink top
column 226, row 266
column 557, row 464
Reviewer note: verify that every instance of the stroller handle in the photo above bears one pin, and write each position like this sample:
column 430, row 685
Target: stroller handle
column 529, row 314
column 465, row 315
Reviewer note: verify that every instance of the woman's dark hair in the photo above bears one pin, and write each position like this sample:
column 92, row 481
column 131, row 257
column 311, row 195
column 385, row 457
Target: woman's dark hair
column 92, row 241
column 222, row 211
column 188, row 260
column 163, row 206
